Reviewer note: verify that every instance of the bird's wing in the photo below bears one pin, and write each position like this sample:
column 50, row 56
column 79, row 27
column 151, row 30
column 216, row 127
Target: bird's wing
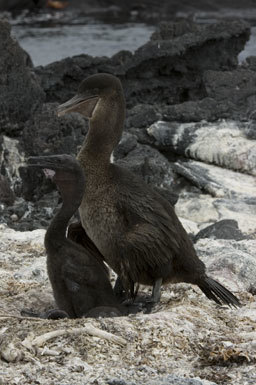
column 75, row 275
column 77, row 234
column 80, row 283
column 150, row 239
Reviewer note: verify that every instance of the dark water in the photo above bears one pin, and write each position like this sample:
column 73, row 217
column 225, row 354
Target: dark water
column 250, row 47
column 49, row 44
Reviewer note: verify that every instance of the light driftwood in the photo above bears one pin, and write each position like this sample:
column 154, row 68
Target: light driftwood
column 89, row 329
column 21, row 317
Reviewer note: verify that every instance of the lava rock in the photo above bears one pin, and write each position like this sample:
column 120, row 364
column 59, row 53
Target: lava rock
column 141, row 115
column 168, row 31
column 195, row 111
column 237, row 87
column 127, row 143
column 20, row 92
column 225, row 229
column 18, row 5
column 217, row 181
column 165, row 70
column 171, row 71
column 205, row 210
column 150, row 164
column 224, row 143
column 168, row 380
column 6, row 194
column 45, row 134
column 231, row 262
column 10, row 160
column 60, row 80
column 175, row 380
column 19, row 208
column 250, row 130
column 250, row 63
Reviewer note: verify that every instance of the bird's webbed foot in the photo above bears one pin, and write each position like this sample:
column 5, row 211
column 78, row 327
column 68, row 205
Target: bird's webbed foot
column 119, row 290
column 49, row 314
column 125, row 292
column 103, row 312
column 56, row 314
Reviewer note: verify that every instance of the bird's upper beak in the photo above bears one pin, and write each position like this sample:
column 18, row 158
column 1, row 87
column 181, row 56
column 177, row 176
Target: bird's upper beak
column 40, row 161
column 79, row 103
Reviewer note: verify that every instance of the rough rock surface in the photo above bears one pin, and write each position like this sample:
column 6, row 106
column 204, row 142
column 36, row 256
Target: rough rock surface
column 149, row 164
column 225, row 229
column 233, row 262
column 45, row 134
column 187, row 340
column 20, row 92
column 224, row 143
column 217, row 181
column 204, row 210
column 166, row 70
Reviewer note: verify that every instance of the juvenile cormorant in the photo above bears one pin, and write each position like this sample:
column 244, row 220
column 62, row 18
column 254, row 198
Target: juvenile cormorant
column 78, row 276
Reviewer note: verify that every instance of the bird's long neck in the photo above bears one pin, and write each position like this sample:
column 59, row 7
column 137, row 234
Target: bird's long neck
column 104, row 133
column 56, row 232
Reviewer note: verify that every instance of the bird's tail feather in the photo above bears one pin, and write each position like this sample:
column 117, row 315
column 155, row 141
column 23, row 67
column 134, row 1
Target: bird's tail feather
column 218, row 293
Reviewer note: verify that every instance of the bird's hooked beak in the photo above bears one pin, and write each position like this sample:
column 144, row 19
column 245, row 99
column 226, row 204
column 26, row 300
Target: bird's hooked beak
column 79, row 103
column 40, row 161
column 44, row 163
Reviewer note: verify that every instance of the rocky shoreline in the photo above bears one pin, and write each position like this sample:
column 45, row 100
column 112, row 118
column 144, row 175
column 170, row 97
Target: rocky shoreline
column 190, row 132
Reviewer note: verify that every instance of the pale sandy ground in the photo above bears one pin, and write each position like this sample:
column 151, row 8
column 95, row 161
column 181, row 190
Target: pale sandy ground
column 187, row 334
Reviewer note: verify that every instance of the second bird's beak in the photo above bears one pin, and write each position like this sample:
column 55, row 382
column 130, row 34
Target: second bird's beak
column 79, row 103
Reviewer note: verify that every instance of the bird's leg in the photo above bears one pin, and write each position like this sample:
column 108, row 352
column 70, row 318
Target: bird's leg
column 133, row 290
column 119, row 289
column 156, row 291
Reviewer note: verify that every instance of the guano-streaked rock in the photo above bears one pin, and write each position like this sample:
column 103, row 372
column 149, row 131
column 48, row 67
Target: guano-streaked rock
column 223, row 143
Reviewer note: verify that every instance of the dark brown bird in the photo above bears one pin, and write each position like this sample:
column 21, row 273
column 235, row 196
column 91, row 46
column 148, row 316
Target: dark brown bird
column 134, row 228
column 78, row 276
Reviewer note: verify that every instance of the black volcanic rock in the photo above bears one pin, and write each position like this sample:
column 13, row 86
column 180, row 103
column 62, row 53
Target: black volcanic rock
column 235, row 87
column 225, row 143
column 20, row 92
column 6, row 194
column 149, row 164
column 46, row 134
column 18, row 5
column 165, row 70
column 141, row 115
column 194, row 111
column 225, row 229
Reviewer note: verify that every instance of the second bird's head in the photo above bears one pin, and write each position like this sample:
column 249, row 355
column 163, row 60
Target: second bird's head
column 64, row 170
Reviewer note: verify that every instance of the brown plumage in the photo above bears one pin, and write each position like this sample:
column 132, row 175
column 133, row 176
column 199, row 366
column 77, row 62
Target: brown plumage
column 135, row 229
column 78, row 276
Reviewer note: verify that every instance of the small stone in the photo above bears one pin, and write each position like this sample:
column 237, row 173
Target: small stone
column 36, row 272
column 225, row 229
column 14, row 217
